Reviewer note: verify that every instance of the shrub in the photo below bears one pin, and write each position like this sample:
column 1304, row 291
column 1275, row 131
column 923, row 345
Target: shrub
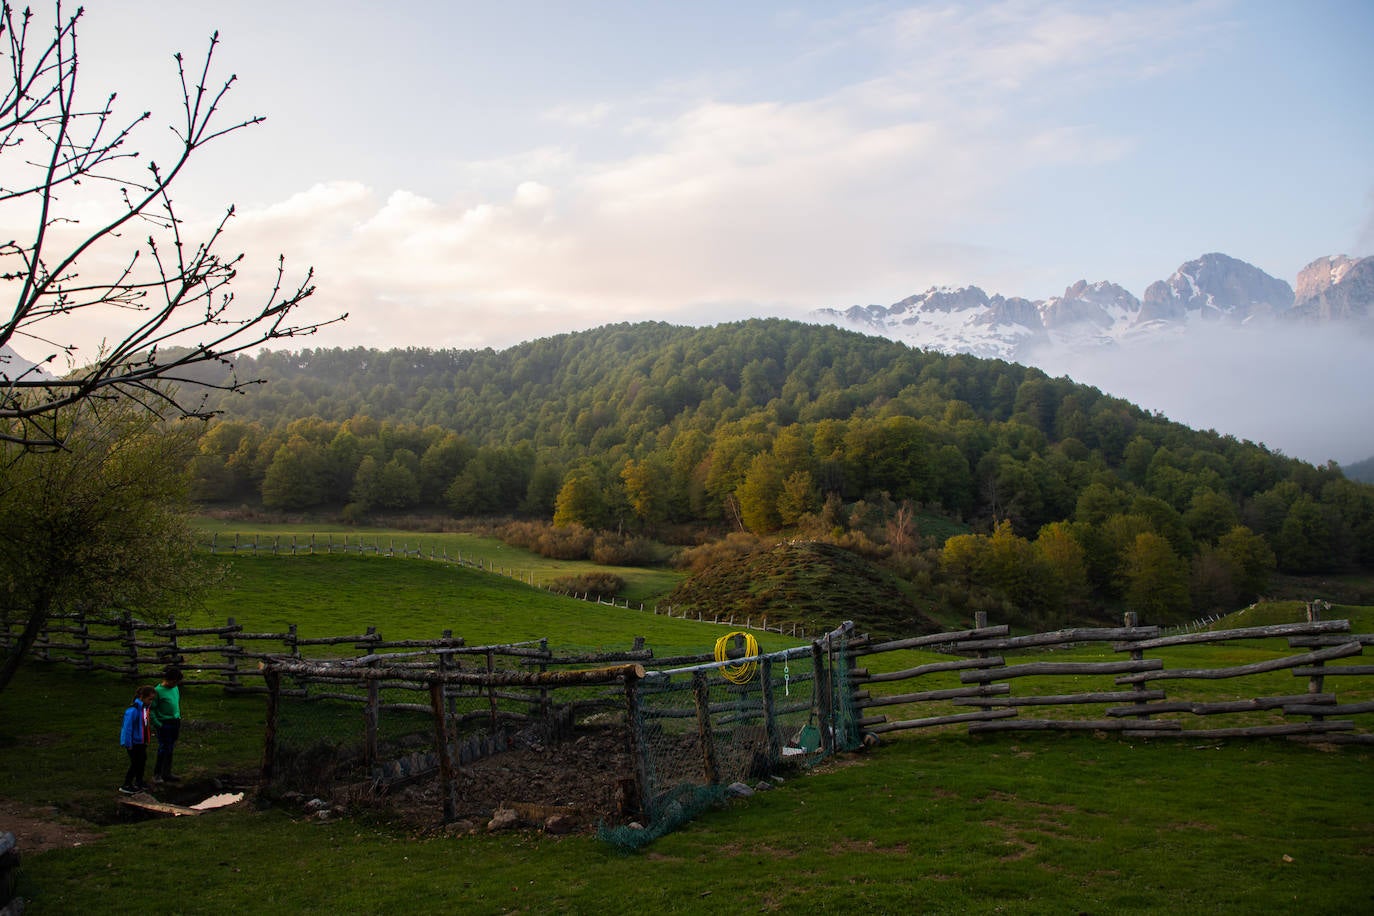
column 593, row 584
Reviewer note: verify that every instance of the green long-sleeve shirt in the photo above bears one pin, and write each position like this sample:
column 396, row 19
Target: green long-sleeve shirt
column 166, row 705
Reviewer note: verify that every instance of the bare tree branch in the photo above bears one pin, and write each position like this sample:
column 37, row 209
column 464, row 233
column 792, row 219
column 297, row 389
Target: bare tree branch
column 178, row 292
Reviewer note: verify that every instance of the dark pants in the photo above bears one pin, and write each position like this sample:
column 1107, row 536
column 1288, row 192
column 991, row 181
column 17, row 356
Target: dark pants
column 167, row 734
column 138, row 759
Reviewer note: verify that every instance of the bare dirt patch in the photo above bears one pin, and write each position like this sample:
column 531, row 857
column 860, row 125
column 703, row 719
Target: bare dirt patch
column 586, row 774
column 39, row 829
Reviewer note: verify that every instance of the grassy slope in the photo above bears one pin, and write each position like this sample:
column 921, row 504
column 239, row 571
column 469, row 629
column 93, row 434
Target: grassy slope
column 937, row 823
column 417, row 599
column 641, row 584
column 947, row 824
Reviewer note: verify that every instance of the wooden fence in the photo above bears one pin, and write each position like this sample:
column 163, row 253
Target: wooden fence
column 1134, row 702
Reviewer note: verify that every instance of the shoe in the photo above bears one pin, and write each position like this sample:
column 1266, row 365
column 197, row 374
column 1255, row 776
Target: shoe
column 128, row 790
column 142, row 786
column 171, row 779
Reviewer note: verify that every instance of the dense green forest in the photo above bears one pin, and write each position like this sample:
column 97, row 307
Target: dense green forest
column 1072, row 502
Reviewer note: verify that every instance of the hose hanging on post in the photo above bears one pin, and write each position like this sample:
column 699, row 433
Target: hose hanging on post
column 742, row 673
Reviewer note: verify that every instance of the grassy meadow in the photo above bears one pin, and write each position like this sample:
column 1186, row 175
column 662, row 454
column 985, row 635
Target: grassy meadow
column 642, row 584
column 926, row 822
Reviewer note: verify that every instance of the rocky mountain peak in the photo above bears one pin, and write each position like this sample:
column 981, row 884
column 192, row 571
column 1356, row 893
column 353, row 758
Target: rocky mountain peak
column 1213, row 287
column 1319, row 276
column 1102, row 314
column 1101, row 305
column 1335, row 288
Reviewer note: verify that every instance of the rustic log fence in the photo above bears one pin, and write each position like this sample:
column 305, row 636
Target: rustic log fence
column 1129, row 696
column 409, row 709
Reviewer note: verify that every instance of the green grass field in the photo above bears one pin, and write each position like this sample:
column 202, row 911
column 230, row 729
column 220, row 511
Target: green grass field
column 419, row 598
column 926, row 822
column 643, row 585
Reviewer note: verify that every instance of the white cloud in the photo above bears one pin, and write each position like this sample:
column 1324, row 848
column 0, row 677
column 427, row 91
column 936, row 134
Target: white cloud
column 793, row 203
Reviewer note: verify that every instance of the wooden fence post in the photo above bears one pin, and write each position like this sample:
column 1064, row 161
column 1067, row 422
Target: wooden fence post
column 126, row 622
column 701, row 694
column 441, row 741
column 172, row 654
column 231, row 657
column 83, row 642
column 269, row 751
column 823, row 707
column 1316, row 681
column 372, row 709
column 491, row 692
column 634, row 717
column 449, row 662
column 1132, row 619
column 770, row 713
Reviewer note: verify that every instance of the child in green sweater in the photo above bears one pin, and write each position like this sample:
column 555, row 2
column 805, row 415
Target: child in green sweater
column 166, row 719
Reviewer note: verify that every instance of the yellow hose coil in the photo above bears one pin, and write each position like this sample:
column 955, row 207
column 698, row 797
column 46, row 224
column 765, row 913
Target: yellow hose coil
column 742, row 673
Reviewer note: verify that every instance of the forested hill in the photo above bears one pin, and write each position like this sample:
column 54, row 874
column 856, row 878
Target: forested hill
column 763, row 424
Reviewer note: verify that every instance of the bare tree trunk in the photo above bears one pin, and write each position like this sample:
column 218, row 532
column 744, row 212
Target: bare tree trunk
column 17, row 652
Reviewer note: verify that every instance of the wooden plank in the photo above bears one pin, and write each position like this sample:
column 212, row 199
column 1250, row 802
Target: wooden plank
column 924, row 696
column 1312, row 642
column 1060, row 637
column 944, row 720
column 933, row 639
column 145, row 802
column 1278, row 629
column 482, row 678
column 1071, row 699
column 1336, row 670
column 1230, row 706
column 1277, row 664
column 1074, row 725
column 1336, row 709
column 1259, row 731
column 932, row 668
column 1061, row 668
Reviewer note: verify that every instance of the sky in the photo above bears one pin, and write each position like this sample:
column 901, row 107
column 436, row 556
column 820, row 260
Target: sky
column 464, row 174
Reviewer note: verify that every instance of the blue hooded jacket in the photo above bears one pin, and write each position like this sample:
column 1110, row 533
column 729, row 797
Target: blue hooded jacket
column 135, row 728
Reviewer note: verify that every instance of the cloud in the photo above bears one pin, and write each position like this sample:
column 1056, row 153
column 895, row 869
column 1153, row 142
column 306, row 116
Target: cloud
column 713, row 202
column 1299, row 389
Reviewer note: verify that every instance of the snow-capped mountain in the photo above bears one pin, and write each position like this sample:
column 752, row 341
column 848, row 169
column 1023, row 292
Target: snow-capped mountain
column 14, row 367
column 1213, row 288
column 1335, row 288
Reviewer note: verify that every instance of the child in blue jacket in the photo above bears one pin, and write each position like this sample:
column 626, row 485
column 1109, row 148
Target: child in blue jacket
column 134, row 737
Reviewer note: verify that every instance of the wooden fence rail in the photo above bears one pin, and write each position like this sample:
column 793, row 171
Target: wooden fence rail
column 1146, row 710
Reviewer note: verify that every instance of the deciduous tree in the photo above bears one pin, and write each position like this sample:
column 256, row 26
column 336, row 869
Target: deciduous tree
column 100, row 525
column 63, row 158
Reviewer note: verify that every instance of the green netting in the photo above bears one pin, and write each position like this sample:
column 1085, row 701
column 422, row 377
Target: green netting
column 699, row 733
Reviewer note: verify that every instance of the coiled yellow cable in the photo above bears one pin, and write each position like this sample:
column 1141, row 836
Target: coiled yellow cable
column 742, row 673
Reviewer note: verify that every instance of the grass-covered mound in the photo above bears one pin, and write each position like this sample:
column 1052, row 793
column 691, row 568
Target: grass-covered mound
column 811, row 584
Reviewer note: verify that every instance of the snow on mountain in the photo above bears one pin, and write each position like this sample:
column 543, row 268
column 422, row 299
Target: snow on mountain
column 1335, row 288
column 1215, row 287
column 14, row 367
column 1211, row 289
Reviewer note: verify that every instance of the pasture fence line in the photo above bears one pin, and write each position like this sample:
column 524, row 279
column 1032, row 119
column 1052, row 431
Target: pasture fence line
column 1125, row 695
column 357, row 710
column 358, row 544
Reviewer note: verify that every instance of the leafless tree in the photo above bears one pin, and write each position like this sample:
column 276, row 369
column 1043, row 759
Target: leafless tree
column 174, row 295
